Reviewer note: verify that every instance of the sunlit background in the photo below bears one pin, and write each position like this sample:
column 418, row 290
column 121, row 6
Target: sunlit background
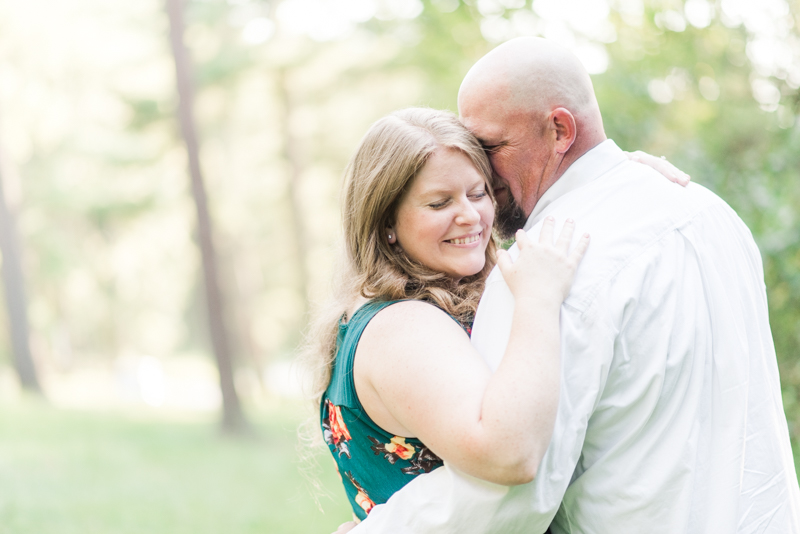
column 99, row 218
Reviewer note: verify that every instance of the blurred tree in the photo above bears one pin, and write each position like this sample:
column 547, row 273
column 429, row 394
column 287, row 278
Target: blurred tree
column 295, row 160
column 233, row 417
column 14, row 289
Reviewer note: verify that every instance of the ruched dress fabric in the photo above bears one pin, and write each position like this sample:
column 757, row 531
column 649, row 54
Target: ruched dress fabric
column 372, row 463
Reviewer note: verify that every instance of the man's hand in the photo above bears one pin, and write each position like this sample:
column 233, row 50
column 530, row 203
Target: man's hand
column 670, row 171
column 345, row 527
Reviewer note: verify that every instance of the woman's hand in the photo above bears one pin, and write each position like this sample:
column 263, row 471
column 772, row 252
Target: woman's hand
column 345, row 527
column 670, row 171
column 543, row 270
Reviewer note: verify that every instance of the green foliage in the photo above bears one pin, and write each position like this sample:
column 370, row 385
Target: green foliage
column 104, row 212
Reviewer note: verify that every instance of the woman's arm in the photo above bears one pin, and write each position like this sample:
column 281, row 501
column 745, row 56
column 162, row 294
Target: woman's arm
column 418, row 375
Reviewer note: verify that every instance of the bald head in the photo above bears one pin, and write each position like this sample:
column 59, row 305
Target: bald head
column 532, row 75
column 531, row 104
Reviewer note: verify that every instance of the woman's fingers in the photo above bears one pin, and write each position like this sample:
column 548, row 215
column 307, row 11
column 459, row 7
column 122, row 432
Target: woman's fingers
column 522, row 239
column 503, row 261
column 670, row 171
column 548, row 228
column 580, row 249
column 565, row 237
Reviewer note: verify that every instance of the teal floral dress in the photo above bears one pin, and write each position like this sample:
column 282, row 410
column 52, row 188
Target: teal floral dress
column 373, row 464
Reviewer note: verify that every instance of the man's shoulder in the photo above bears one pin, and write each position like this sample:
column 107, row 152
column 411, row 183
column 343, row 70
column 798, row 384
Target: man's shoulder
column 629, row 212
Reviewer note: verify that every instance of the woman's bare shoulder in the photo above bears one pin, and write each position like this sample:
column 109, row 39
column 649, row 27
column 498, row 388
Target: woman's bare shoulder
column 410, row 312
column 410, row 326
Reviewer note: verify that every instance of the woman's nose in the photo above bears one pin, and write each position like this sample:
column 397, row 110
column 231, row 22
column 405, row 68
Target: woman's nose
column 467, row 215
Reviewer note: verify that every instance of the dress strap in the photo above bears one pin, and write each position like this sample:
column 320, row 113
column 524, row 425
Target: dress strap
column 342, row 389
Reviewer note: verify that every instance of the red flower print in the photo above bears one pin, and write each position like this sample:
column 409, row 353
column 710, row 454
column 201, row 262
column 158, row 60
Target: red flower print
column 334, row 430
column 362, row 498
column 396, row 449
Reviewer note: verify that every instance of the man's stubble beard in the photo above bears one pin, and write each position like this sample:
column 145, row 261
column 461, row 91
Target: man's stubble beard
column 509, row 218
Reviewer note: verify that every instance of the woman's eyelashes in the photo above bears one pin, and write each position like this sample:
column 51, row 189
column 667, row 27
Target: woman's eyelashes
column 474, row 195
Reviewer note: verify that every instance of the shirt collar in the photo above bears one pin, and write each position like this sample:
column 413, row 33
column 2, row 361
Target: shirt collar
column 593, row 164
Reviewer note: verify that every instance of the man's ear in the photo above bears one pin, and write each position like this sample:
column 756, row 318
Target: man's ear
column 564, row 129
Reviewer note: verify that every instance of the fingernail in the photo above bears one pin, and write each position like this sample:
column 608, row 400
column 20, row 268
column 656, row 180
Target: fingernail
column 551, row 218
column 570, row 220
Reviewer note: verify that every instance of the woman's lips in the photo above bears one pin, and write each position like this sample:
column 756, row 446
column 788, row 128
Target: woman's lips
column 466, row 240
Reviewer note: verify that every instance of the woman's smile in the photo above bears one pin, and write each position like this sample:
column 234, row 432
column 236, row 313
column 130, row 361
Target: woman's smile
column 471, row 240
column 444, row 220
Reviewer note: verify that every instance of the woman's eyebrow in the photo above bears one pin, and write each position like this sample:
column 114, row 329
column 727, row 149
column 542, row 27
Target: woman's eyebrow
column 446, row 191
column 436, row 192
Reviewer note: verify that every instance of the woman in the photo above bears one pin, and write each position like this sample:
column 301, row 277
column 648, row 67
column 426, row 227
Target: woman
column 399, row 384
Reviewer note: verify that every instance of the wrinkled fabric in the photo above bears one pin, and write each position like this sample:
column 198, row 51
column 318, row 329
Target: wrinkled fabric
column 670, row 417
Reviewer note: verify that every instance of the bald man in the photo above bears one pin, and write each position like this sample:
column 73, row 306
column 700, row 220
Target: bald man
column 670, row 417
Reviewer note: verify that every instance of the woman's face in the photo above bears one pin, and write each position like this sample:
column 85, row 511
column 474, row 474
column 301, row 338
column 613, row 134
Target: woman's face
column 444, row 221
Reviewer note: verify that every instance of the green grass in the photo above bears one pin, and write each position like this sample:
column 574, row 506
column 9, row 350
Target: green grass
column 76, row 472
column 64, row 472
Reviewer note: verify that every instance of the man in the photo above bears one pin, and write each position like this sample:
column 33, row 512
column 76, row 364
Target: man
column 670, row 417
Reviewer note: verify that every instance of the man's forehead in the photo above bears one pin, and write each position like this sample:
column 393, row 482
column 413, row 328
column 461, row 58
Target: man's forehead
column 485, row 129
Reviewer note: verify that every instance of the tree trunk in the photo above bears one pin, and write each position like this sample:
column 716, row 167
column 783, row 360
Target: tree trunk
column 233, row 418
column 16, row 304
column 291, row 153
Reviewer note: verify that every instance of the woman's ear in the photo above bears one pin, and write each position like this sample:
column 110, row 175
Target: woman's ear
column 391, row 236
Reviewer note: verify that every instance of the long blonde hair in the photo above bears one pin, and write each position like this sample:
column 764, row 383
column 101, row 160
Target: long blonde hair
column 390, row 155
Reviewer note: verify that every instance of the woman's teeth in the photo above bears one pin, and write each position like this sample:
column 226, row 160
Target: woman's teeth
column 465, row 240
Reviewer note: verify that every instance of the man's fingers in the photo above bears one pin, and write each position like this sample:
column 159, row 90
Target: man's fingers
column 548, row 228
column 565, row 237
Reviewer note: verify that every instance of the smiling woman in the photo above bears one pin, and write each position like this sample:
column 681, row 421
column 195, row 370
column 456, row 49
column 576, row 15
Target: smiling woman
column 445, row 218
column 399, row 385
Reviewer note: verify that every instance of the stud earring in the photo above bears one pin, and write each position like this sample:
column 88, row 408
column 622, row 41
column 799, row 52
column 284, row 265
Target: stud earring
column 390, row 237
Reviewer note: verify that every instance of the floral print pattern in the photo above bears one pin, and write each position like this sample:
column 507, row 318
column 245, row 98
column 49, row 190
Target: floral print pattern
column 422, row 461
column 334, row 430
column 362, row 497
column 373, row 464
column 407, row 456
column 396, row 449
column 425, row 462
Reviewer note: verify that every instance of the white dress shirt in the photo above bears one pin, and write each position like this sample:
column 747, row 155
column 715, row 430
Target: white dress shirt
column 670, row 417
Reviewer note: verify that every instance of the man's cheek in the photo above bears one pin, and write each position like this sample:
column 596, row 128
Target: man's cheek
column 501, row 194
